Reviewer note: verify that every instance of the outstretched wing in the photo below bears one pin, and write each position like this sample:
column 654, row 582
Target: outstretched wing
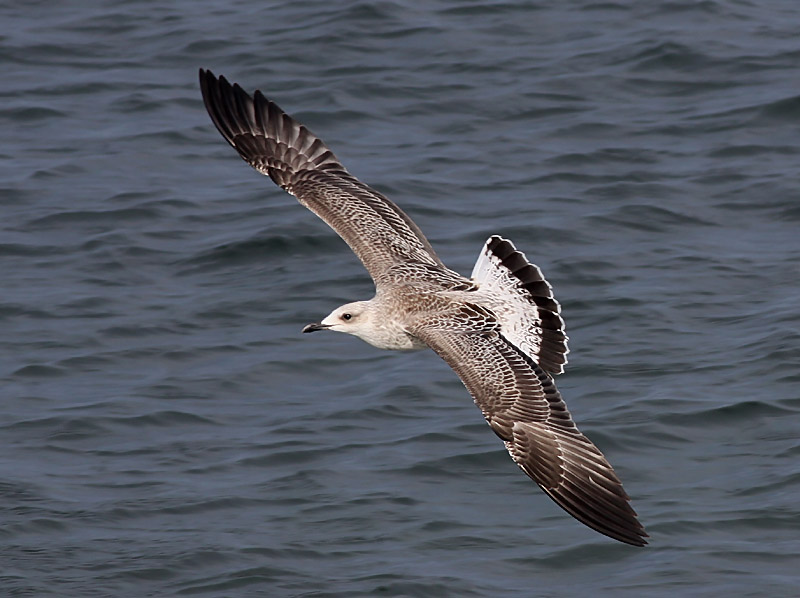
column 524, row 408
column 273, row 143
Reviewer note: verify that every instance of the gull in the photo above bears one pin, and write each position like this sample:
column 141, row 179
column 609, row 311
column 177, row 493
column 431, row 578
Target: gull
column 500, row 330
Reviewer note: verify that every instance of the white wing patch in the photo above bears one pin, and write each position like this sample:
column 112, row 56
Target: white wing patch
column 530, row 316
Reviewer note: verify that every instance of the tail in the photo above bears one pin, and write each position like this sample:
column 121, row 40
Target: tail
column 536, row 327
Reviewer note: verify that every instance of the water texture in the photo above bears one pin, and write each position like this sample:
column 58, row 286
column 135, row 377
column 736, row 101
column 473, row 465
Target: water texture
column 167, row 430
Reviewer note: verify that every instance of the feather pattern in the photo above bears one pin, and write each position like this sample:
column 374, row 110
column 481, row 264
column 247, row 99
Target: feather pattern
column 273, row 143
column 522, row 405
column 530, row 314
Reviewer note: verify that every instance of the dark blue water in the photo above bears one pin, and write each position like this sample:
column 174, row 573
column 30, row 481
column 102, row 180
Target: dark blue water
column 167, row 430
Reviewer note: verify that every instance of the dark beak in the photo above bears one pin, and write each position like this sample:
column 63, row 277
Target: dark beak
column 315, row 327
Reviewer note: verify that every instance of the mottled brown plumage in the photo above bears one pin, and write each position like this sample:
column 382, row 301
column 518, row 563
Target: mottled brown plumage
column 500, row 330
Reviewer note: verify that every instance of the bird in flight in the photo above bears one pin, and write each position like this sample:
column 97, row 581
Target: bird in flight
column 500, row 330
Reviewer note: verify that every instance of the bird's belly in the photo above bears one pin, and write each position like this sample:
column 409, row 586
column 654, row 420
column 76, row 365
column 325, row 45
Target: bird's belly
column 397, row 342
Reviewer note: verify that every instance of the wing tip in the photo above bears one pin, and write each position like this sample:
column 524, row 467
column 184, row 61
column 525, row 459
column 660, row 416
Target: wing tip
column 620, row 523
column 248, row 122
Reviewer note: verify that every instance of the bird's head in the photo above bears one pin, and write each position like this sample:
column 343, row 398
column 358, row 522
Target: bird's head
column 352, row 318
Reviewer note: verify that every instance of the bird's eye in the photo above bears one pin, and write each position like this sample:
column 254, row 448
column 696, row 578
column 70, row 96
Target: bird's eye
column 346, row 317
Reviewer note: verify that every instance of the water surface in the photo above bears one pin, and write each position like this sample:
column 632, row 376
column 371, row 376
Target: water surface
column 167, row 430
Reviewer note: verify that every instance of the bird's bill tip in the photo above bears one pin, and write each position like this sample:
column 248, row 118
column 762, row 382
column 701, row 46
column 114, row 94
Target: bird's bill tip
column 314, row 326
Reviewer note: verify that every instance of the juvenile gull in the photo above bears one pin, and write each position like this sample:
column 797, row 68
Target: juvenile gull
column 500, row 330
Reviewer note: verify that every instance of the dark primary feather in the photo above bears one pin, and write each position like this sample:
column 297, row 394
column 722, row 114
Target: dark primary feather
column 273, row 143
